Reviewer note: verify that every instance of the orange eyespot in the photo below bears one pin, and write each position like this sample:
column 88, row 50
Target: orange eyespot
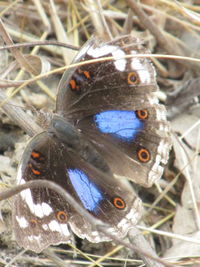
column 33, row 223
column 35, row 172
column 87, row 74
column 143, row 155
column 133, row 78
column 72, row 84
column 119, row 203
column 35, row 155
column 142, row 114
column 61, row 216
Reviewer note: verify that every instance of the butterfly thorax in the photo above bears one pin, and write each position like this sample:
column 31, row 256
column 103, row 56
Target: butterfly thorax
column 77, row 144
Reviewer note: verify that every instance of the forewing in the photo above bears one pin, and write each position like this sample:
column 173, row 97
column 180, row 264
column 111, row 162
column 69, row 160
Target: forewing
column 114, row 104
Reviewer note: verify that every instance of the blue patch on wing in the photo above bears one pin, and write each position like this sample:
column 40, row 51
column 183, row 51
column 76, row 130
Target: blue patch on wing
column 87, row 192
column 122, row 124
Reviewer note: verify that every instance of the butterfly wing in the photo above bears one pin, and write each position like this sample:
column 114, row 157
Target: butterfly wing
column 114, row 104
column 36, row 211
column 41, row 217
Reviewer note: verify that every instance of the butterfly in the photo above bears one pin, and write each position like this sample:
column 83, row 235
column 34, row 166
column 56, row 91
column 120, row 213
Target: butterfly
column 107, row 124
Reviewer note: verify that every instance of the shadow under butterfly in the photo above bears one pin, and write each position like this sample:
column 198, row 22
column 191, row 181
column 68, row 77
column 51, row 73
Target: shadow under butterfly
column 108, row 121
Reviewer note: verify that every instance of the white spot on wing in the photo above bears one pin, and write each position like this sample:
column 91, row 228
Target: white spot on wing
column 39, row 210
column 100, row 51
column 36, row 238
column 23, row 223
column 153, row 100
column 160, row 113
column 132, row 217
column 143, row 73
column 157, row 170
column 45, row 227
column 65, row 229
column 58, row 227
column 143, row 68
column 46, row 209
column 120, row 62
column 54, row 226
column 30, row 238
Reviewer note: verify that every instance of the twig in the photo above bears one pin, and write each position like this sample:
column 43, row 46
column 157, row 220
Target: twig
column 16, row 53
column 56, row 43
column 169, row 46
column 152, row 27
column 60, row 32
column 19, row 116
column 138, row 239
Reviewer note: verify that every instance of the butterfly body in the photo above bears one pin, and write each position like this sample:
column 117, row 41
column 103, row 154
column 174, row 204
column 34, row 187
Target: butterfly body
column 108, row 121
